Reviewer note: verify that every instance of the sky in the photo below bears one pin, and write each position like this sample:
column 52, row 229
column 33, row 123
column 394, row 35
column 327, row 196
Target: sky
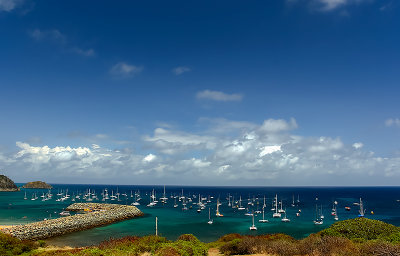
column 262, row 93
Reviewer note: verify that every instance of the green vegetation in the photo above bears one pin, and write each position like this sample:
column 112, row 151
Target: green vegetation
column 356, row 237
column 363, row 229
column 13, row 246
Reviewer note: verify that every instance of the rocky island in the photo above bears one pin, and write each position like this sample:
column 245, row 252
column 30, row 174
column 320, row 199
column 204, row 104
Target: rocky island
column 37, row 184
column 6, row 184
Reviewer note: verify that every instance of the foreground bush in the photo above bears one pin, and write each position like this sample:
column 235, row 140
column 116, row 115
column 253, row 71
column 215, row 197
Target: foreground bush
column 362, row 229
column 12, row 246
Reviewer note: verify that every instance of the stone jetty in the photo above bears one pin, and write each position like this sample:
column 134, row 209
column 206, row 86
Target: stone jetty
column 94, row 215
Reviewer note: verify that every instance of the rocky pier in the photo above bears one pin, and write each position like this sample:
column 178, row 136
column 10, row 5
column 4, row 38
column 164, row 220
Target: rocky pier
column 94, row 215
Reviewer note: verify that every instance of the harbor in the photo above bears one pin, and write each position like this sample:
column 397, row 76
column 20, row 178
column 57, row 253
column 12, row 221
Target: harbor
column 193, row 209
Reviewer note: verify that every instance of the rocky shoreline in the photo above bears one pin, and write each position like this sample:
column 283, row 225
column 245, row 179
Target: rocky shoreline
column 95, row 215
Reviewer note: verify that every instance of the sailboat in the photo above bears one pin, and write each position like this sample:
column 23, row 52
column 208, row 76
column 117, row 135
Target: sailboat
column 362, row 210
column 318, row 220
column 218, row 214
column 263, row 220
column 293, row 205
column 276, row 213
column 333, row 213
column 253, row 227
column 240, row 204
column 25, row 198
column 285, row 219
column 164, row 198
column 321, row 214
column 281, row 210
column 210, row 221
column 136, row 203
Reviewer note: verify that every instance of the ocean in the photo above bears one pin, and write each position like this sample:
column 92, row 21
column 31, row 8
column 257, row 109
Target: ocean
column 381, row 203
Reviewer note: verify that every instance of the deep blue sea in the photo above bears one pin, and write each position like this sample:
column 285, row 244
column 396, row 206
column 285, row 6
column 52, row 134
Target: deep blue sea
column 172, row 222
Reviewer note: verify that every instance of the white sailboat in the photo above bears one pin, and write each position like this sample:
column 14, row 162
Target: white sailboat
column 281, row 210
column 218, row 214
column 25, row 198
column 285, row 219
column 318, row 220
column 361, row 211
column 264, row 205
column 253, row 227
column 263, row 220
column 164, row 198
column 240, row 204
column 276, row 213
column 210, row 221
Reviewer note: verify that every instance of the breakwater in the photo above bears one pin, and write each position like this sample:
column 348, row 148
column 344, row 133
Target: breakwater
column 94, row 215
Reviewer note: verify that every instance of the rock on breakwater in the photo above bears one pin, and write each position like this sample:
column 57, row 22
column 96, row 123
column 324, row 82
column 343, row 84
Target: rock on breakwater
column 97, row 215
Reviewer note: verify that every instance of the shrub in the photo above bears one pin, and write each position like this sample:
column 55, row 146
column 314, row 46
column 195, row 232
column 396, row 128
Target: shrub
column 168, row 250
column 282, row 247
column 13, row 246
column 113, row 243
column 41, row 243
column 379, row 248
column 182, row 247
column 189, row 238
column 229, row 237
column 360, row 228
column 231, row 247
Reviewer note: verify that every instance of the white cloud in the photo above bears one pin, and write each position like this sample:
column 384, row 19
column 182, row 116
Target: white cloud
column 218, row 96
column 328, row 5
column 392, row 122
column 60, row 39
column 278, row 125
column 180, row 70
column 9, row 5
column 269, row 150
column 54, row 35
column 86, row 53
column 123, row 69
column 260, row 154
column 149, row 158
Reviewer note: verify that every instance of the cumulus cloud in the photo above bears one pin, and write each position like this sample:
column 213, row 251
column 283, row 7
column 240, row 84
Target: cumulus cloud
column 268, row 153
column 218, row 96
column 9, row 5
column 392, row 122
column 278, row 125
column 123, row 69
column 149, row 158
column 180, row 70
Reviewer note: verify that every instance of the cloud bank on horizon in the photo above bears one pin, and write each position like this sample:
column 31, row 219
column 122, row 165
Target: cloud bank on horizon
column 249, row 154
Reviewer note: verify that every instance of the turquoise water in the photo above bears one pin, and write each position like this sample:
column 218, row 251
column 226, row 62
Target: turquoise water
column 175, row 221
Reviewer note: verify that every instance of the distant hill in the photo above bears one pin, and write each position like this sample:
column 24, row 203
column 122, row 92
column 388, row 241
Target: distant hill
column 37, row 184
column 6, row 184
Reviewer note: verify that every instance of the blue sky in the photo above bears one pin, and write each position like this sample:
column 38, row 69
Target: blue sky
column 295, row 92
